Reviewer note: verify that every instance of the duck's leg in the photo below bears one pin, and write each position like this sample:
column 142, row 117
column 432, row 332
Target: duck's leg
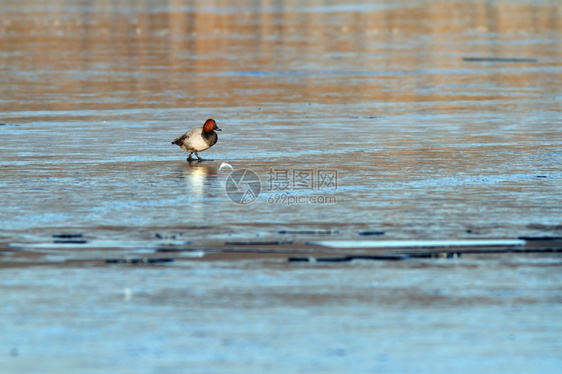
column 199, row 158
column 190, row 158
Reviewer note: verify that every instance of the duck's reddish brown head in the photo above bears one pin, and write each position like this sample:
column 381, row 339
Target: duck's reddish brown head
column 210, row 125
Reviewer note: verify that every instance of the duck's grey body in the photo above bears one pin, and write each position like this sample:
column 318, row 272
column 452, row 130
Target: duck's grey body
column 196, row 140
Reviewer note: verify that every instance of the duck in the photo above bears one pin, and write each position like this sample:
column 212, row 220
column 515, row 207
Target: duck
column 198, row 139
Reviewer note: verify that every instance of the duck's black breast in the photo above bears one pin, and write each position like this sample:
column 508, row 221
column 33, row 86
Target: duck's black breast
column 210, row 137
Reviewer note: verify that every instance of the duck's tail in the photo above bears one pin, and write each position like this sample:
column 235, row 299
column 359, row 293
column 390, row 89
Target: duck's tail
column 178, row 141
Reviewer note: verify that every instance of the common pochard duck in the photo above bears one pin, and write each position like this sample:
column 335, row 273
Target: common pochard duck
column 199, row 139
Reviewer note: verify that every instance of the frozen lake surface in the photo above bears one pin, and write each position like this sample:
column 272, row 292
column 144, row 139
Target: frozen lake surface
column 364, row 121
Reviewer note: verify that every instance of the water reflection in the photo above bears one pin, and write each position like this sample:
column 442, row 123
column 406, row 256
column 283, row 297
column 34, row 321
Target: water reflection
column 174, row 53
column 201, row 179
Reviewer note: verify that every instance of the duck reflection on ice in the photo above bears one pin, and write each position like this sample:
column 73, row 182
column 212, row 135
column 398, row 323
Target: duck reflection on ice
column 202, row 179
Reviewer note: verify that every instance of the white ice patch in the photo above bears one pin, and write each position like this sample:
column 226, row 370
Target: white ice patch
column 416, row 243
